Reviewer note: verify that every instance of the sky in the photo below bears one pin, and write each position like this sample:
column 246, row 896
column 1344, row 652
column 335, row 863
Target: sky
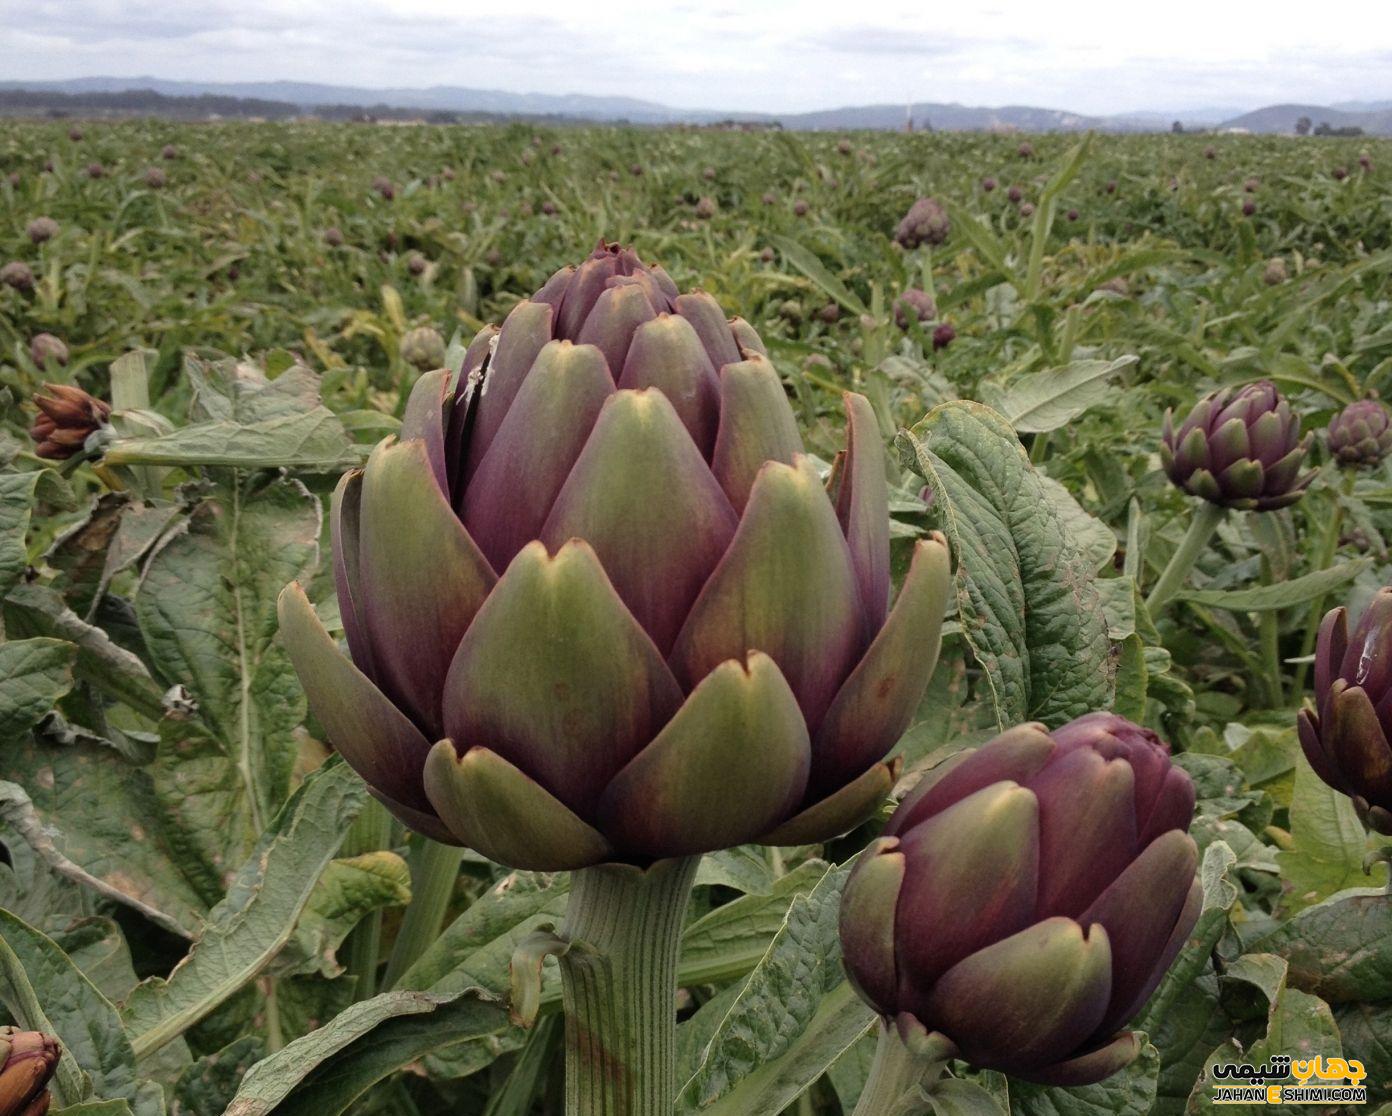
column 753, row 55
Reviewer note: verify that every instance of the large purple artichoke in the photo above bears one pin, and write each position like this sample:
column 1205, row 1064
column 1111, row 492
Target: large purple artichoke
column 1360, row 434
column 1345, row 737
column 1239, row 448
column 1026, row 904
column 27, row 1061
column 600, row 573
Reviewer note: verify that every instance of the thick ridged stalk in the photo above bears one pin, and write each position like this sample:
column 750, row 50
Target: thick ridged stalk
column 619, row 984
column 899, row 1077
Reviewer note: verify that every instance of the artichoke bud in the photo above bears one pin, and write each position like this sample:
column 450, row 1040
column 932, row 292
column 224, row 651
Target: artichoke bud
column 1238, row 448
column 1345, row 736
column 926, row 222
column 640, row 589
column 1026, row 902
column 68, row 416
column 1360, row 435
column 27, row 1061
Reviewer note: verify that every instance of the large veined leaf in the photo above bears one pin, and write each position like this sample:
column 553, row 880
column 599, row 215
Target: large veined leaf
column 97, row 820
column 1327, row 841
column 248, row 422
column 207, row 609
column 34, row 674
column 794, row 1016
column 322, row 1073
column 250, row 926
column 1268, row 598
column 1339, row 949
column 96, row 1049
column 19, row 493
column 1053, row 397
column 1025, row 588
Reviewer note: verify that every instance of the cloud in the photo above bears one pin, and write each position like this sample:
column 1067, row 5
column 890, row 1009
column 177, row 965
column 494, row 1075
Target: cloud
column 1091, row 56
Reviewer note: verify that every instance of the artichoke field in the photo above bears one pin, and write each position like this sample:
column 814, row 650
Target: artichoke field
column 903, row 625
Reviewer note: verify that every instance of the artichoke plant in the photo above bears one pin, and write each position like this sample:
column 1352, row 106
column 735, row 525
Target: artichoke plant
column 1238, row 449
column 1346, row 735
column 599, row 604
column 1361, row 434
column 27, row 1061
column 1024, row 905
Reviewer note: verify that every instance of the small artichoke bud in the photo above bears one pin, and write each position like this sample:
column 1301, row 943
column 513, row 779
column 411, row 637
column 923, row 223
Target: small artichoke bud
column 829, row 313
column 1072, row 214
column 767, row 255
column 1027, row 209
column 169, row 152
column 1361, row 434
column 1238, row 448
column 27, row 1061
column 705, row 208
column 708, row 174
column 1027, row 902
column 41, row 229
column 68, row 416
column 1248, row 207
column 1274, row 274
column 801, row 208
column 548, row 208
column 1210, row 152
column 1111, row 186
column 914, row 305
column 95, row 170
column 19, row 275
column 1025, row 150
column 988, row 184
column 44, row 347
column 75, row 134
column 1345, row 735
column 843, row 147
column 1339, row 173
column 769, row 198
column 333, row 236
column 423, row 348
column 926, row 222
column 416, row 264
column 384, row 187
column 1250, row 186
column 636, row 170
column 944, row 335
column 155, row 178
column 1015, row 195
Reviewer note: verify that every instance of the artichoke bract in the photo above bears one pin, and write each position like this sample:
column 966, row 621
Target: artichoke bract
column 1345, row 737
column 1361, row 434
column 1025, row 904
column 1238, row 448
column 27, row 1061
column 600, row 606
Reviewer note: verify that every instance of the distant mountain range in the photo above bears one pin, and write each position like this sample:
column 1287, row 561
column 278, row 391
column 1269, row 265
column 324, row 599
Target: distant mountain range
column 1374, row 117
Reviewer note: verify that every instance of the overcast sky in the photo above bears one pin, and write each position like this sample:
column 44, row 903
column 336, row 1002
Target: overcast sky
column 767, row 55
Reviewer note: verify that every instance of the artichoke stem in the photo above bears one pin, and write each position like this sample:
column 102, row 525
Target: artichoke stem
column 371, row 832
column 1329, row 546
column 434, row 871
column 899, row 1077
column 619, row 985
column 1206, row 519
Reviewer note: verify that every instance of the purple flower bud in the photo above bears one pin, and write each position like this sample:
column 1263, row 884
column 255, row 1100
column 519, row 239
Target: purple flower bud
column 914, row 305
column 1345, row 736
column 41, row 229
column 1238, row 448
column 1360, row 434
column 926, row 222
column 1026, row 901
